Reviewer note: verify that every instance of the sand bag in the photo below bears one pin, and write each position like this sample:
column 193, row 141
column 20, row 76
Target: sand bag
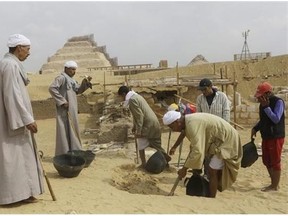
column 156, row 163
column 197, row 185
column 250, row 154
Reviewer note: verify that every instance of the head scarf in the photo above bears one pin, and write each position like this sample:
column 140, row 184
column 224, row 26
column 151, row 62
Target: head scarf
column 170, row 117
column 18, row 39
column 127, row 98
column 71, row 64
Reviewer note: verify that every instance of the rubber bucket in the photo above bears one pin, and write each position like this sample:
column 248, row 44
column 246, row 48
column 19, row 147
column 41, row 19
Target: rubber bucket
column 88, row 155
column 68, row 165
column 156, row 163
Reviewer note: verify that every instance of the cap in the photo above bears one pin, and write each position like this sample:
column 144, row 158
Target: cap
column 262, row 89
column 18, row 39
column 71, row 64
column 204, row 83
column 173, row 106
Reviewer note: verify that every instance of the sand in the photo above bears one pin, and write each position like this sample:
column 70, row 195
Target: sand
column 113, row 184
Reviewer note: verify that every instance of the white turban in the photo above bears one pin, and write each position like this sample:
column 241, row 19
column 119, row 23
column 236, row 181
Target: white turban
column 18, row 39
column 71, row 64
column 170, row 117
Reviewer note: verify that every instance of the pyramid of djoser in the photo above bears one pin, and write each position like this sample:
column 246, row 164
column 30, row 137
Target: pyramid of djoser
column 84, row 51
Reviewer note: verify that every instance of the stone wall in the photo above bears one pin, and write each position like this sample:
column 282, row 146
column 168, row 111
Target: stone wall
column 249, row 114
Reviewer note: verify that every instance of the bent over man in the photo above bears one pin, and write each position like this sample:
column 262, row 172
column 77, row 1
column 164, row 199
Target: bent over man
column 209, row 136
column 146, row 125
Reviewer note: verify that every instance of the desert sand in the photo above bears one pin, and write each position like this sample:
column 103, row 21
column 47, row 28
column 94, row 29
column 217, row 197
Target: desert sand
column 113, row 184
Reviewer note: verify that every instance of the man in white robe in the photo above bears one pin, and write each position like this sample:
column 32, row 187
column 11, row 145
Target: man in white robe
column 64, row 90
column 213, row 137
column 21, row 174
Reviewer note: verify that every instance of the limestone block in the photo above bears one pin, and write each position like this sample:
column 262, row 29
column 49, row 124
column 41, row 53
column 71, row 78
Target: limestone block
column 238, row 108
column 252, row 122
column 254, row 115
column 252, row 108
column 244, row 115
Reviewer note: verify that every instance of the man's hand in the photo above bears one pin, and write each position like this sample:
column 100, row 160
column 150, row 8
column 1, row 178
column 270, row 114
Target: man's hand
column 172, row 151
column 253, row 133
column 89, row 78
column 65, row 105
column 182, row 172
column 32, row 127
column 264, row 101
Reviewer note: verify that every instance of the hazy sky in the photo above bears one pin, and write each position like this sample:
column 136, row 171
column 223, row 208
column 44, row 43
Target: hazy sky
column 146, row 32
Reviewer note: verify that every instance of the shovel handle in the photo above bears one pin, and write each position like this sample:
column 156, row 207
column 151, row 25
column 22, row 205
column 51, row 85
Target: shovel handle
column 174, row 186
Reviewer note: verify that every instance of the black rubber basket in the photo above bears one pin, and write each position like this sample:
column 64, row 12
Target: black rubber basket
column 88, row 155
column 156, row 163
column 68, row 165
column 250, row 154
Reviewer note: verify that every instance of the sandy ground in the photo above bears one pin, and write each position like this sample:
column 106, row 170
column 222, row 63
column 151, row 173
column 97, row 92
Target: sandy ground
column 113, row 184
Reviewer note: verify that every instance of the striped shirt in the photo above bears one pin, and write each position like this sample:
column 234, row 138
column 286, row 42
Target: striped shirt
column 220, row 105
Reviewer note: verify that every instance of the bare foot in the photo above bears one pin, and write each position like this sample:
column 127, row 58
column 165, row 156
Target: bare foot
column 141, row 167
column 269, row 188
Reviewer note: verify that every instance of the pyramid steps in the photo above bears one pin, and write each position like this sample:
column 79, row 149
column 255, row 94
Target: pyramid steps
column 83, row 50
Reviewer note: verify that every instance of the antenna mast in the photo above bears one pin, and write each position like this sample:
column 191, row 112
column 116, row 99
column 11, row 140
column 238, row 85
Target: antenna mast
column 245, row 50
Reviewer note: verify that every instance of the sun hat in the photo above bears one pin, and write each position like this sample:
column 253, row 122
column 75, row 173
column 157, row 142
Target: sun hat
column 262, row 89
column 170, row 117
column 204, row 83
column 18, row 39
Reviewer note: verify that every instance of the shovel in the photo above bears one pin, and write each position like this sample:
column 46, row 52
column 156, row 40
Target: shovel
column 174, row 186
column 137, row 151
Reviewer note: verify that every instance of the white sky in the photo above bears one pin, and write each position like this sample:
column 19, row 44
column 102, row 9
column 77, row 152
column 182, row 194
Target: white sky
column 147, row 32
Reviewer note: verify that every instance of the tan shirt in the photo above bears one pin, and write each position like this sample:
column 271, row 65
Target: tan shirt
column 211, row 135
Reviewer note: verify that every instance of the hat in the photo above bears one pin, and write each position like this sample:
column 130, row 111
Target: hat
column 173, row 106
column 204, row 83
column 262, row 89
column 18, row 39
column 170, row 117
column 71, row 64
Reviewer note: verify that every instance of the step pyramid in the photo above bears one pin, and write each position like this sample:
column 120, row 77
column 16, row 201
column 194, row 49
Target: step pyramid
column 83, row 50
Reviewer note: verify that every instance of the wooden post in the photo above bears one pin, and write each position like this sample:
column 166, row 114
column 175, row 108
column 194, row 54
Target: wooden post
column 234, row 97
column 225, row 71
column 177, row 73
column 104, row 88
column 178, row 80
column 126, row 81
column 221, row 76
